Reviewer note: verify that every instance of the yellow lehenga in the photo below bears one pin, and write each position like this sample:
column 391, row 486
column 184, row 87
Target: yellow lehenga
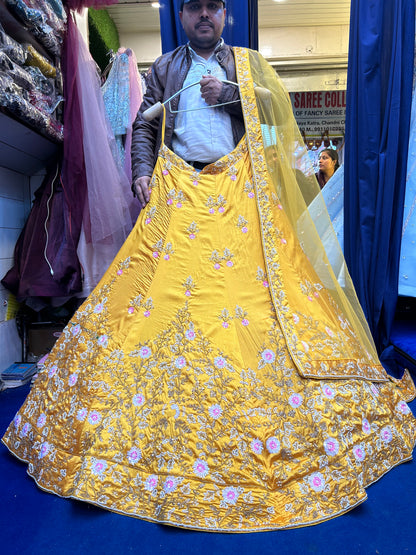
column 211, row 381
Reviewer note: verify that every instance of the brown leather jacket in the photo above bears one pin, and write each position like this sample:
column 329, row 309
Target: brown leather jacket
column 166, row 77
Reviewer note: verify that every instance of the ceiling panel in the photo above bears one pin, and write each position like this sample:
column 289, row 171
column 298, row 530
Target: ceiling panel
column 136, row 16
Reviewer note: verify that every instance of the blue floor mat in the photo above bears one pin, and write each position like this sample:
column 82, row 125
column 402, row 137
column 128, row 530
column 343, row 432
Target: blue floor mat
column 37, row 523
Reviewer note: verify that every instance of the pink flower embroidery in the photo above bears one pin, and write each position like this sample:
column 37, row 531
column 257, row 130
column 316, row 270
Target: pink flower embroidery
column 386, row 434
column 190, row 334
column 82, row 414
column 72, row 380
column 52, row 371
column 98, row 466
column 245, row 322
column 98, row 308
column 200, row 468
column 331, row 446
column 102, row 340
column 251, row 194
column 283, row 241
column 94, row 418
column 230, row 495
column 221, row 209
column 187, row 293
column 366, row 426
column 359, row 452
column 138, row 400
column 296, row 319
column 192, row 236
column 134, row 455
column 166, row 257
column 76, row 330
column 130, row 310
column 165, row 172
column 145, row 352
column 273, row 445
column 211, row 211
column 147, row 220
column 265, row 283
column 151, row 482
column 155, row 254
column 402, row 407
column 180, row 362
column 256, row 446
column 17, row 419
column 44, row 449
column 268, row 356
column 119, row 272
column 169, row 201
column 233, row 177
column 244, row 229
column 146, row 313
column 41, row 421
column 316, row 481
column 195, row 182
column 25, row 430
column 328, row 391
column 170, row 484
column 225, row 325
column 219, row 362
column 295, row 400
column 230, row 263
column 178, row 205
column 215, row 411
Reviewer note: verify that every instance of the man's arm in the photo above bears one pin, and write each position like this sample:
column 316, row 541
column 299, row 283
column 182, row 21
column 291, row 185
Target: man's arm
column 144, row 137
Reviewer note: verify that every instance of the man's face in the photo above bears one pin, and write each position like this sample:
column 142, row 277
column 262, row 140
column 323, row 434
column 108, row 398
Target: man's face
column 203, row 22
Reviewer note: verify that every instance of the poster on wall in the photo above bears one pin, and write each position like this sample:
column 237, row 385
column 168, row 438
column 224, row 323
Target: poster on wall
column 320, row 114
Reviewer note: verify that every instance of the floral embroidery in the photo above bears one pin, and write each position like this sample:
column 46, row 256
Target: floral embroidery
column 366, row 426
column 261, row 276
column 201, row 468
column 72, row 380
column 98, row 466
column 134, row 455
column 359, row 452
column 215, row 411
column 150, row 215
column 94, row 417
column 192, row 230
column 241, row 314
column 230, row 495
column 402, row 407
column 216, row 258
column 328, row 391
column 82, row 414
column 189, row 286
column 248, row 189
column 52, row 371
column 256, row 446
column 171, row 483
column 242, row 224
column 225, row 318
column 138, row 400
column 180, row 362
column 44, row 449
column 273, row 445
column 331, row 446
column 316, row 481
column 102, row 340
column 25, row 430
column 151, row 482
column 295, row 400
column 386, row 434
column 268, row 356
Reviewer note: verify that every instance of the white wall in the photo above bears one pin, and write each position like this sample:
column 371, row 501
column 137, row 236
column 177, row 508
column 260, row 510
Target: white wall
column 14, row 209
column 307, row 58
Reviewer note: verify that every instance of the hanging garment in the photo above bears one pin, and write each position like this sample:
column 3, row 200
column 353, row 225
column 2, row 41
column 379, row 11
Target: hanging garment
column 211, row 380
column 110, row 209
column 407, row 268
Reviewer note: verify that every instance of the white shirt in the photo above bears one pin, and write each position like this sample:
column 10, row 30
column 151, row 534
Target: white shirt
column 201, row 135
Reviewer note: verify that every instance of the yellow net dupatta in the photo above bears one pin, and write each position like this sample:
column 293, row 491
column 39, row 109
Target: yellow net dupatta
column 312, row 292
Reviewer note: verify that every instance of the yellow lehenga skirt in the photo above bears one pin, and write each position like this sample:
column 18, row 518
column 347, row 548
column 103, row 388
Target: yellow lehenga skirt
column 172, row 396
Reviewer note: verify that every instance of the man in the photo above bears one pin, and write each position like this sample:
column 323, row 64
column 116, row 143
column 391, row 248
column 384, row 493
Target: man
column 204, row 135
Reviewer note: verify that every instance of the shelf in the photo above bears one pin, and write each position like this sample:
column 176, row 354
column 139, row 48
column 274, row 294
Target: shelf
column 23, row 149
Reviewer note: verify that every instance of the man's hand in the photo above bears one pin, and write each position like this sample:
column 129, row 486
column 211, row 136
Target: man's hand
column 141, row 189
column 211, row 88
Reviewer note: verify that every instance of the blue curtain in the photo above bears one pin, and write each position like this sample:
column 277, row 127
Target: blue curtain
column 379, row 90
column 241, row 24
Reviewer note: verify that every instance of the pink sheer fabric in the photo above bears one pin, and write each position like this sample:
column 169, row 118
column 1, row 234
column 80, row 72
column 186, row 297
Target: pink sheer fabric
column 110, row 209
column 79, row 5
